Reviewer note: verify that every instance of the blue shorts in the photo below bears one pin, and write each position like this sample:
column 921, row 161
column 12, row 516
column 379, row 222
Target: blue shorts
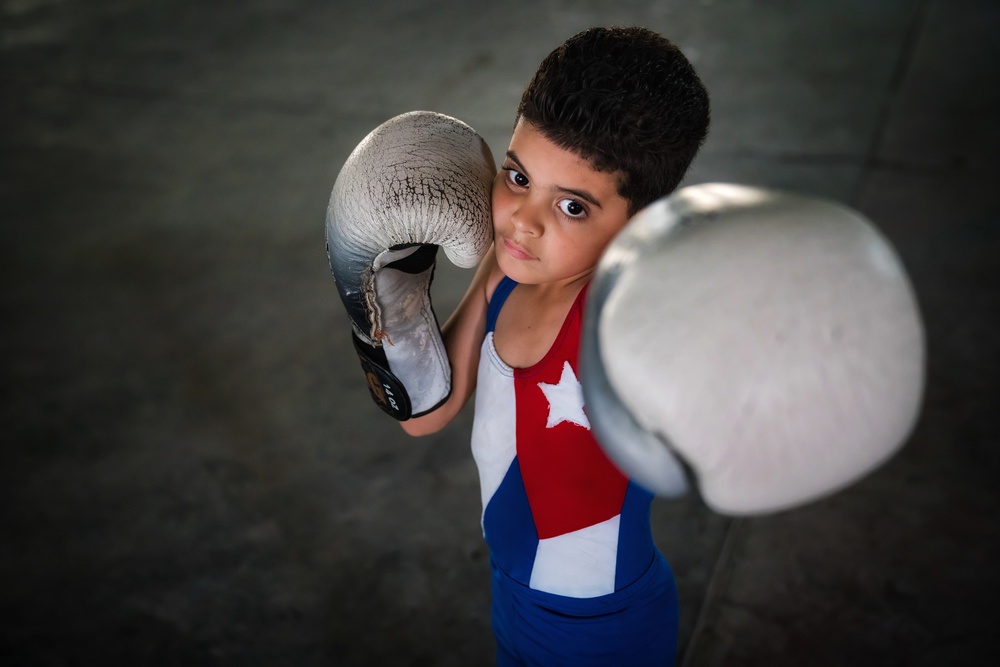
column 636, row 625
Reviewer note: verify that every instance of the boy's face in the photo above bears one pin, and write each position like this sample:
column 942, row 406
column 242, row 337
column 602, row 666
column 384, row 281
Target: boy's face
column 553, row 214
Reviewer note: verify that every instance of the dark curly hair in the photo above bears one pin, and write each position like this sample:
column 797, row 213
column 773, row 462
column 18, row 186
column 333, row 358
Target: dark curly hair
column 627, row 101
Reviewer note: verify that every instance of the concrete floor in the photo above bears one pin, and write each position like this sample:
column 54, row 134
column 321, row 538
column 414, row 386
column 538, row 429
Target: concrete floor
column 192, row 471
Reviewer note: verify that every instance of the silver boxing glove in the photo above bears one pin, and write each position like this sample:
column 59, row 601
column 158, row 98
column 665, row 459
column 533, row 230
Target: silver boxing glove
column 765, row 344
column 419, row 181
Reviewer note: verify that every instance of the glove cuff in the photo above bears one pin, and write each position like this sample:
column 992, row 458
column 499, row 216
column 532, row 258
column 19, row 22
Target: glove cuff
column 386, row 389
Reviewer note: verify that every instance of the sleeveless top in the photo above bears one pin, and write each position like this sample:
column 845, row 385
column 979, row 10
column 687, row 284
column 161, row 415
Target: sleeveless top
column 558, row 516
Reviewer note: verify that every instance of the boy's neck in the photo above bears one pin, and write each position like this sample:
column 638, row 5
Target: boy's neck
column 559, row 290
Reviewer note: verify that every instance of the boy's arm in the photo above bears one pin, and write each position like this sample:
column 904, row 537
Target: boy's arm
column 463, row 336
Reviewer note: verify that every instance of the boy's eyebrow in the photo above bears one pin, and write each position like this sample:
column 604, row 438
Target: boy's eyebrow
column 582, row 194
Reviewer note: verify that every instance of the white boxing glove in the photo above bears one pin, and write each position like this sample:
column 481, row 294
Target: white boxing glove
column 418, row 181
column 767, row 344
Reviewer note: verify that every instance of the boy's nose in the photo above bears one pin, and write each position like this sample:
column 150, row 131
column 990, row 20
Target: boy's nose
column 526, row 219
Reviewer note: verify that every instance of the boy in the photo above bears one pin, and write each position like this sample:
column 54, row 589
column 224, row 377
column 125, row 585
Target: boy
column 609, row 123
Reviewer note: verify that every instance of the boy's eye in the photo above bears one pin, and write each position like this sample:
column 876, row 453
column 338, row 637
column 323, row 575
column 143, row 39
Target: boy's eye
column 572, row 208
column 516, row 178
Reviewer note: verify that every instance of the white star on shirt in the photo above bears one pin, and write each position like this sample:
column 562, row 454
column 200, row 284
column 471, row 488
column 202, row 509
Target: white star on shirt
column 565, row 400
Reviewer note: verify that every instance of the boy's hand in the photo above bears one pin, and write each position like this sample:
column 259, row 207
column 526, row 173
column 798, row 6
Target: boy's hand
column 770, row 342
column 418, row 181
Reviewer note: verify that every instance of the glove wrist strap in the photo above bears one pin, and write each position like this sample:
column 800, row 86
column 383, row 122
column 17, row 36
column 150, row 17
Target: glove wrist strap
column 386, row 389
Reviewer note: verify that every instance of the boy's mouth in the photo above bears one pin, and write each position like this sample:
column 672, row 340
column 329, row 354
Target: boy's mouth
column 516, row 251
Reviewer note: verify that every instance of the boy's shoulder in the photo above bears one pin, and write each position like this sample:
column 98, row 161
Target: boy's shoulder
column 490, row 274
